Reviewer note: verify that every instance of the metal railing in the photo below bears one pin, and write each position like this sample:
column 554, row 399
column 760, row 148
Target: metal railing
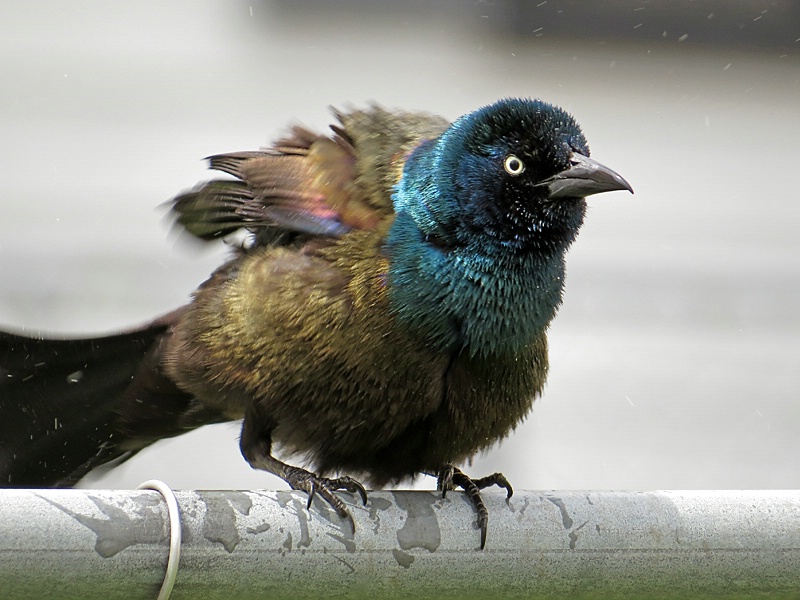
column 265, row 544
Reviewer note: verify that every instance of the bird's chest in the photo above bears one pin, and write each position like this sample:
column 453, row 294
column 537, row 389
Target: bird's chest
column 487, row 304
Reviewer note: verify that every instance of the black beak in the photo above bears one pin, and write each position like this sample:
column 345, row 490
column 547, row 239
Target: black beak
column 584, row 178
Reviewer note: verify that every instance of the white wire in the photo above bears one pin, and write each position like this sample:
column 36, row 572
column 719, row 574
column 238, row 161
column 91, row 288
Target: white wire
column 174, row 534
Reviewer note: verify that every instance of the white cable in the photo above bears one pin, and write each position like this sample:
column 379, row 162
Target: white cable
column 174, row 534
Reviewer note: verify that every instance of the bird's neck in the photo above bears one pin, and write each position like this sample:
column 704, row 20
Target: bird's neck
column 480, row 297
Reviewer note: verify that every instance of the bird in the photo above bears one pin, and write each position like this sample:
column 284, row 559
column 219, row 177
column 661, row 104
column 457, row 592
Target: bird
column 383, row 316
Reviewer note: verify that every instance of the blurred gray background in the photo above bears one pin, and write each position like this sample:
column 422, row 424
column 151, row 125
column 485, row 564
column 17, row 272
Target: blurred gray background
column 676, row 356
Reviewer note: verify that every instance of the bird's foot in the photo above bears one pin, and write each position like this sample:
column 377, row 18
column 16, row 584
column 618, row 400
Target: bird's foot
column 314, row 485
column 450, row 477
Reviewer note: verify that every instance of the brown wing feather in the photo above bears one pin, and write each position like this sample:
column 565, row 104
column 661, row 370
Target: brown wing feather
column 310, row 183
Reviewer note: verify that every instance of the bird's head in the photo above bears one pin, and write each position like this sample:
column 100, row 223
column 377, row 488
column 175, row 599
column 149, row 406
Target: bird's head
column 515, row 172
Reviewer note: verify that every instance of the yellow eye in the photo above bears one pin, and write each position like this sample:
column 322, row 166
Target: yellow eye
column 513, row 165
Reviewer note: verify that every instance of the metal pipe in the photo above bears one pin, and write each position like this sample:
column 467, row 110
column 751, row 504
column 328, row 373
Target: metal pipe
column 265, row 544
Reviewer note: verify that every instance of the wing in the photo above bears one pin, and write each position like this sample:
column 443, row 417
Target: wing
column 309, row 183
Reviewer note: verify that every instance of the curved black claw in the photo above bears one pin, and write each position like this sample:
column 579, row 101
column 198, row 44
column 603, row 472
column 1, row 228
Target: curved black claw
column 444, row 481
column 450, row 477
column 349, row 485
column 313, row 485
column 497, row 479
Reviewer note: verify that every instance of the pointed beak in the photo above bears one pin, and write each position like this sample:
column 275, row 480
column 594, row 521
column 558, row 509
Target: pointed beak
column 584, row 178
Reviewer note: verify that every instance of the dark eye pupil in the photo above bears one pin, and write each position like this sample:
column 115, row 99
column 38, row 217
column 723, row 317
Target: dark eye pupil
column 513, row 165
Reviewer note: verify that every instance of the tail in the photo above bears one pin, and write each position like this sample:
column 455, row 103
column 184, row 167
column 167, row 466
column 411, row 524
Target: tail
column 68, row 406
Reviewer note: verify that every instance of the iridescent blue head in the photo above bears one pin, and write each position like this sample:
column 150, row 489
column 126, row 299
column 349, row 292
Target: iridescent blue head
column 484, row 216
column 513, row 173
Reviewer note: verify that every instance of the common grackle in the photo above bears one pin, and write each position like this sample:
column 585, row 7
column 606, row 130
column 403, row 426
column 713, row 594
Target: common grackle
column 387, row 317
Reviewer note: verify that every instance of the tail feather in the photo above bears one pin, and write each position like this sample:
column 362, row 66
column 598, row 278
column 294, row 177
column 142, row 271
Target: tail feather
column 67, row 406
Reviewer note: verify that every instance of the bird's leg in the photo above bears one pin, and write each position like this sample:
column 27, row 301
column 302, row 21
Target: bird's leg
column 255, row 444
column 449, row 477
